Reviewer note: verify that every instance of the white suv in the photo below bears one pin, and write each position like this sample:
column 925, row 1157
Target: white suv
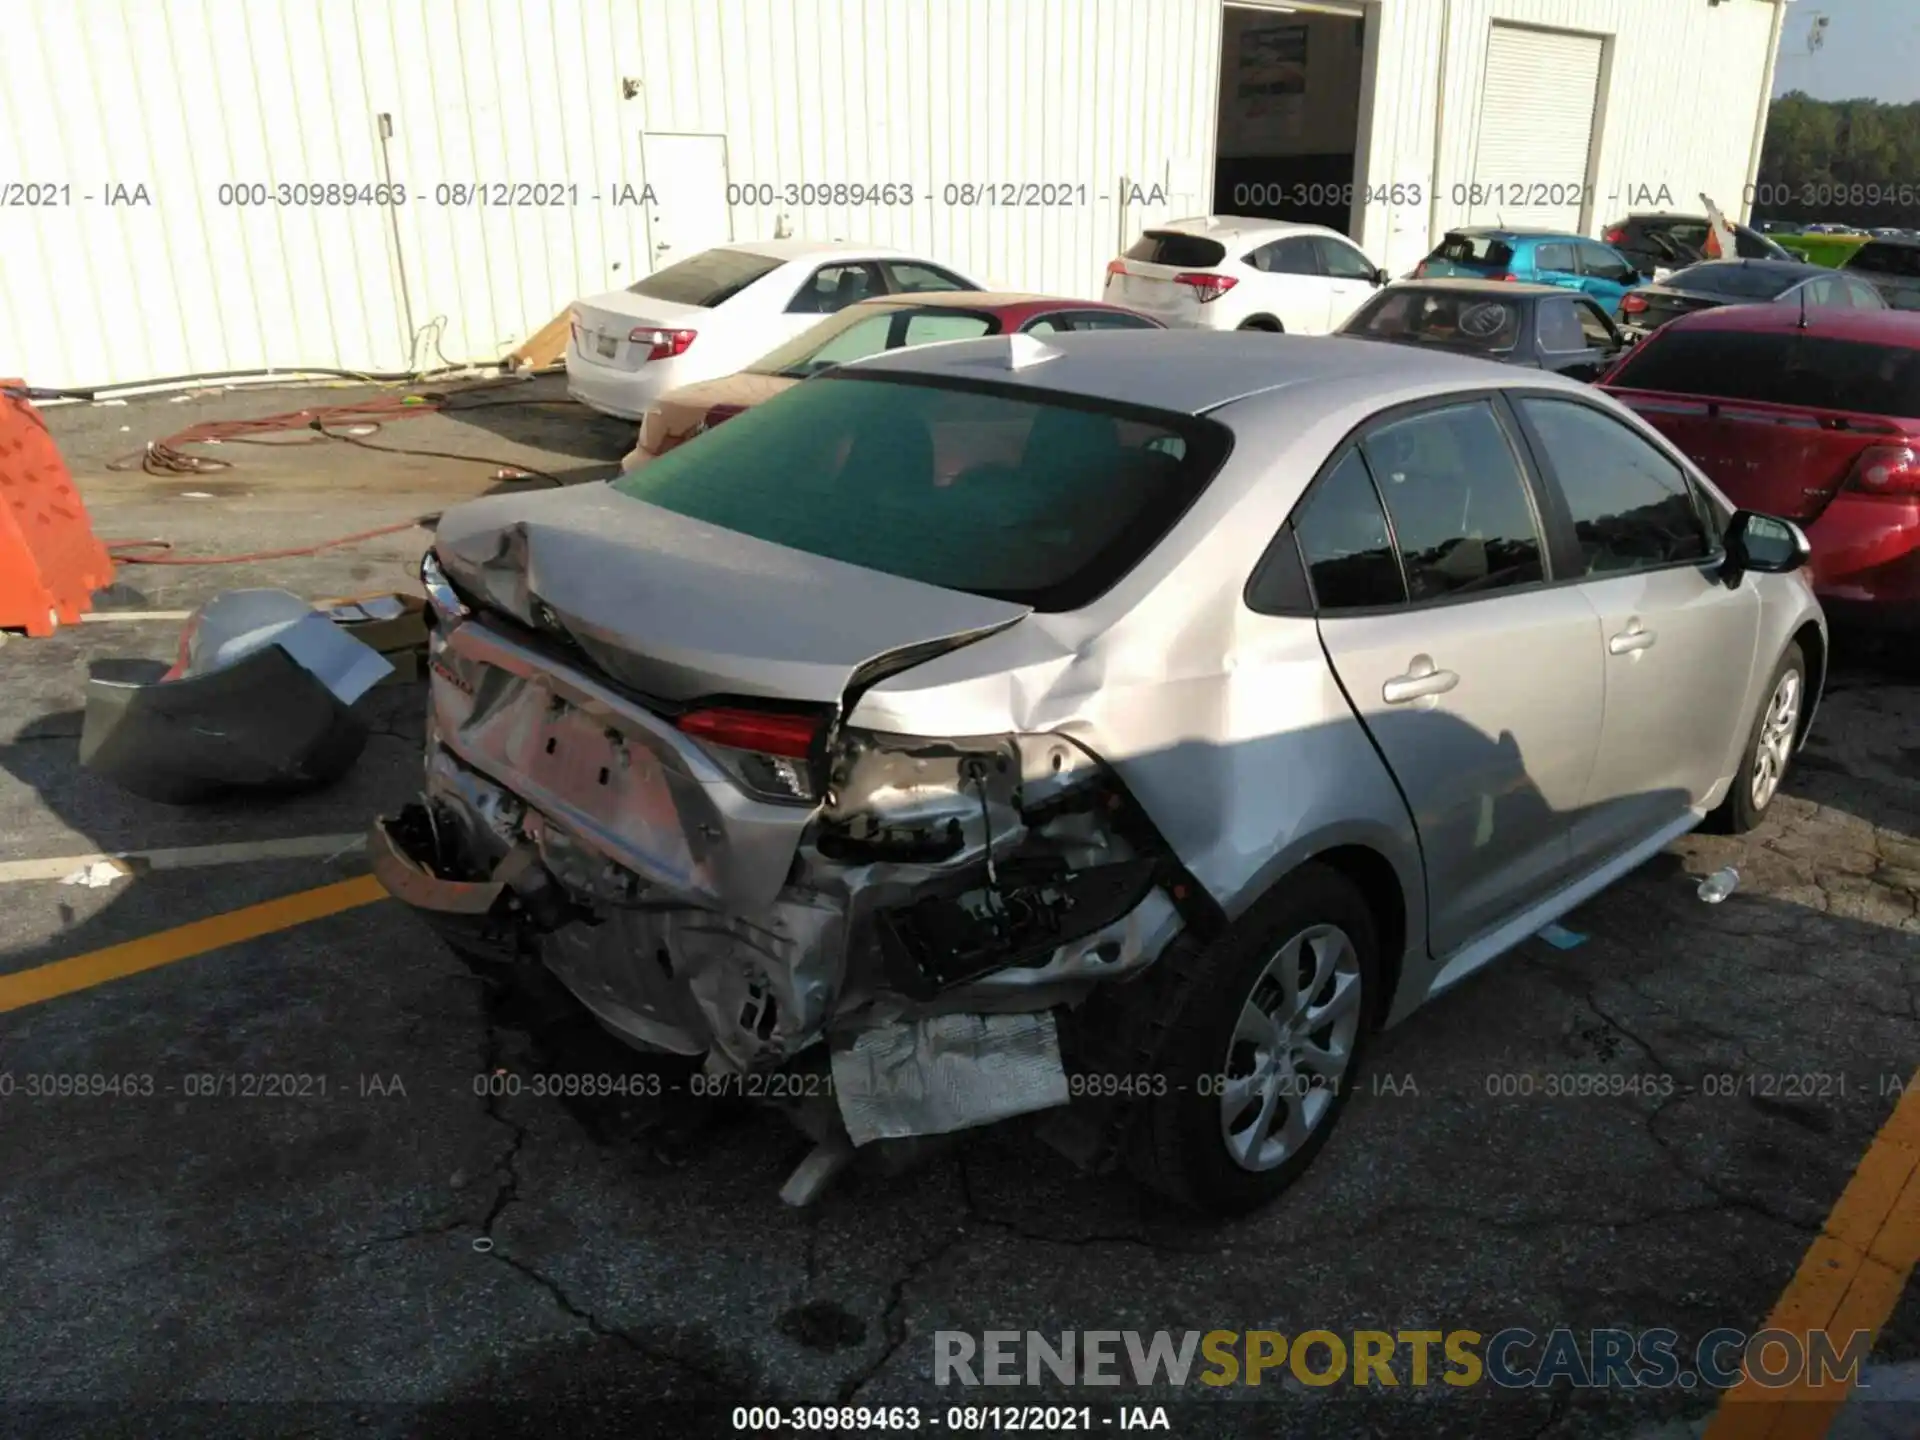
column 1227, row 272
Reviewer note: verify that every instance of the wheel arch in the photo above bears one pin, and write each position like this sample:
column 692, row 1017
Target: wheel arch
column 1262, row 321
column 1812, row 641
column 1374, row 876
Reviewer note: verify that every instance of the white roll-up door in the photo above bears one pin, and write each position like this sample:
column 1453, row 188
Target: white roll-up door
column 1534, row 134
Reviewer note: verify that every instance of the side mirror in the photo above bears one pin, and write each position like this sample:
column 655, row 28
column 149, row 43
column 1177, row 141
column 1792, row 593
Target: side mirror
column 1381, row 277
column 1766, row 544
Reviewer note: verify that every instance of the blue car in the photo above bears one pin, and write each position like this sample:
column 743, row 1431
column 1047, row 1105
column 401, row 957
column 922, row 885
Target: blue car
column 1539, row 257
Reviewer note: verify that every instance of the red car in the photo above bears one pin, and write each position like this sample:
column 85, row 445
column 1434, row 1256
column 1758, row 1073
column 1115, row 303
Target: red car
column 1814, row 416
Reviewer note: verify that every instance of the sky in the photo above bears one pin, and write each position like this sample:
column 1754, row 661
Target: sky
column 1871, row 50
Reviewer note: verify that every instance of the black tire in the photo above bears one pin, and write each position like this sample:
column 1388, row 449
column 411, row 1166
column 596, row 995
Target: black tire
column 1179, row 1146
column 1261, row 322
column 1739, row 813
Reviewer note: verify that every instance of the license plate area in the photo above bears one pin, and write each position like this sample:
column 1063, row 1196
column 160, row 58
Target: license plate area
column 593, row 769
column 608, row 346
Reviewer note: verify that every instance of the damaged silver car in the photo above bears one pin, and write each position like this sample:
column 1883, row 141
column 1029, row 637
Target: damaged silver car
column 1124, row 725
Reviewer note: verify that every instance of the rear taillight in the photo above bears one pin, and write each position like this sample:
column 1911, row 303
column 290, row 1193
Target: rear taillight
column 1889, row 471
column 663, row 344
column 1616, row 236
column 767, row 751
column 1420, row 271
column 1206, row 287
column 1115, row 267
column 1633, row 305
column 1509, row 277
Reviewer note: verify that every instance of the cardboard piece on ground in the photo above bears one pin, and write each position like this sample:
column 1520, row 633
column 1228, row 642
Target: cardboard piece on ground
column 547, row 346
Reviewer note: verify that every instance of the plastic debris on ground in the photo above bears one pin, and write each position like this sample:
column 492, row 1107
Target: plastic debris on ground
column 1719, row 885
column 97, row 876
column 945, row 1073
column 261, row 697
column 1561, row 938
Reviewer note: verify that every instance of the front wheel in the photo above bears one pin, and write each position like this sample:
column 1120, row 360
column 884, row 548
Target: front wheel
column 1260, row 1058
column 1769, row 749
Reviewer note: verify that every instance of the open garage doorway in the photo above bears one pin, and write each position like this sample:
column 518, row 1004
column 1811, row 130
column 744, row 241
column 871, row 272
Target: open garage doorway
column 1294, row 114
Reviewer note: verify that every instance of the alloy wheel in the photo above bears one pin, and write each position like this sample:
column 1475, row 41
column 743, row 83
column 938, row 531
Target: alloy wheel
column 1775, row 745
column 1291, row 1048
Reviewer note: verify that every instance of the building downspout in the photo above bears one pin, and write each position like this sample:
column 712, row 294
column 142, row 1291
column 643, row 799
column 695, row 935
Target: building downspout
column 1760, row 110
column 1440, row 123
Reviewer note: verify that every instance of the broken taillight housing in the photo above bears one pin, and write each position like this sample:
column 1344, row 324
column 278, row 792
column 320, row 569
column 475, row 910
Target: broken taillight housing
column 441, row 595
column 662, row 344
column 1886, row 471
column 768, row 751
column 1206, row 288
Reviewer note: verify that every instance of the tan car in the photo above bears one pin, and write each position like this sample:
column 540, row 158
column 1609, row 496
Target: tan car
column 892, row 322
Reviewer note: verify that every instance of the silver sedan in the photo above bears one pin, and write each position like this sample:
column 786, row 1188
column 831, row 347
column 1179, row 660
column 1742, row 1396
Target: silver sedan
column 1122, row 725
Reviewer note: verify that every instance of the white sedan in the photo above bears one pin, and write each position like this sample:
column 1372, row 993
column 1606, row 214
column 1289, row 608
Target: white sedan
column 1227, row 272
column 715, row 312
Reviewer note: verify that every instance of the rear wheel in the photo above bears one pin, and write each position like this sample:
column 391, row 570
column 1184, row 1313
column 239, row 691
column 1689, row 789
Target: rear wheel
column 1260, row 1057
column 1769, row 749
column 1262, row 322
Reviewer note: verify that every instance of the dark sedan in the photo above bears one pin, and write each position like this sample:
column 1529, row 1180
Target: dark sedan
column 1542, row 326
column 1891, row 265
column 1744, row 282
column 1660, row 242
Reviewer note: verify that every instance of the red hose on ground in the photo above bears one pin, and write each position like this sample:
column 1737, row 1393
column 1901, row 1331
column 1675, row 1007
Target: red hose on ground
column 116, row 548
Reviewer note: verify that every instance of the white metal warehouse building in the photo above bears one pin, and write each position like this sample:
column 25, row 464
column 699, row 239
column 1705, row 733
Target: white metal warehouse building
column 139, row 138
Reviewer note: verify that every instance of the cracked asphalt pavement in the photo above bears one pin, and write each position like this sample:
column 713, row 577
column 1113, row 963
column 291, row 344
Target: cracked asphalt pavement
column 429, row 1220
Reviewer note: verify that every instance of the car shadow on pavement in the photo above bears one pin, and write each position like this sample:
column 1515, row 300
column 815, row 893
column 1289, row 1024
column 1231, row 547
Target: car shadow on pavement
column 539, row 414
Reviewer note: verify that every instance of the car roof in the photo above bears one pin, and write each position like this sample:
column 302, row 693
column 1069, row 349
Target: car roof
column 1215, row 226
column 1492, row 289
column 1785, row 269
column 1879, row 327
column 807, row 249
column 1190, row 371
column 1515, row 232
column 1004, row 303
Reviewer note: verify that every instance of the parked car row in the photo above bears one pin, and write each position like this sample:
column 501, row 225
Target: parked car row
column 1529, row 299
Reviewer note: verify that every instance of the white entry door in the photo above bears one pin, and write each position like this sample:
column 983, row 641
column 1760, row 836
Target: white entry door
column 1533, row 140
column 688, row 177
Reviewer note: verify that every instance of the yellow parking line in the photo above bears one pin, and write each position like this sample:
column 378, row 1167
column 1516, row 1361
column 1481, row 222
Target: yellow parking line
column 1850, row 1280
column 149, row 952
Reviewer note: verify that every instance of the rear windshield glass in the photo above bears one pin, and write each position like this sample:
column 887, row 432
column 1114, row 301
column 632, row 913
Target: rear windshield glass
column 1735, row 280
column 1474, row 250
column 707, row 279
column 1170, row 247
column 1433, row 317
column 1016, row 499
column 1810, row 371
column 1885, row 259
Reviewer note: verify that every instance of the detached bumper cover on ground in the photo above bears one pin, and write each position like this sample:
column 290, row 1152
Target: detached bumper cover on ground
column 260, row 698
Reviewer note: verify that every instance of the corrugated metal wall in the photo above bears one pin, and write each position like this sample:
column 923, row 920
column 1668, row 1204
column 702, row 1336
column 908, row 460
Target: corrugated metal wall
column 183, row 97
column 1680, row 95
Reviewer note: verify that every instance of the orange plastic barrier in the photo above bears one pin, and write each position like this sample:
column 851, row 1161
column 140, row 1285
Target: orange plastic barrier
column 50, row 560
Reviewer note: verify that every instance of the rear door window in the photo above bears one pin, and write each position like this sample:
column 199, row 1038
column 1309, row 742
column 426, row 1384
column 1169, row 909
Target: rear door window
column 1597, row 330
column 1560, row 332
column 1479, row 250
column 1170, row 247
column 1110, row 320
column 1345, row 543
column 832, row 288
column 710, row 278
column 1553, row 258
column 1604, row 264
column 912, row 278
column 1013, row 496
column 928, row 327
column 1631, row 506
column 1777, row 369
column 1462, row 514
column 1293, row 256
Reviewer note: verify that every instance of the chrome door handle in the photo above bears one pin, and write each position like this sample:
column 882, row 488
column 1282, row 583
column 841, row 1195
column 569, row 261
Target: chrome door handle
column 1420, row 681
column 1631, row 639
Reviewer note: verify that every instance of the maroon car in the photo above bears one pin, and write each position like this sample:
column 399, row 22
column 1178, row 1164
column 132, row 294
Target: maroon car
column 888, row 323
column 1814, row 417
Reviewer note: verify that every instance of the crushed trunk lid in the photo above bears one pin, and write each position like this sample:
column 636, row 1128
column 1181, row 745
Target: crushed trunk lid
column 681, row 610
